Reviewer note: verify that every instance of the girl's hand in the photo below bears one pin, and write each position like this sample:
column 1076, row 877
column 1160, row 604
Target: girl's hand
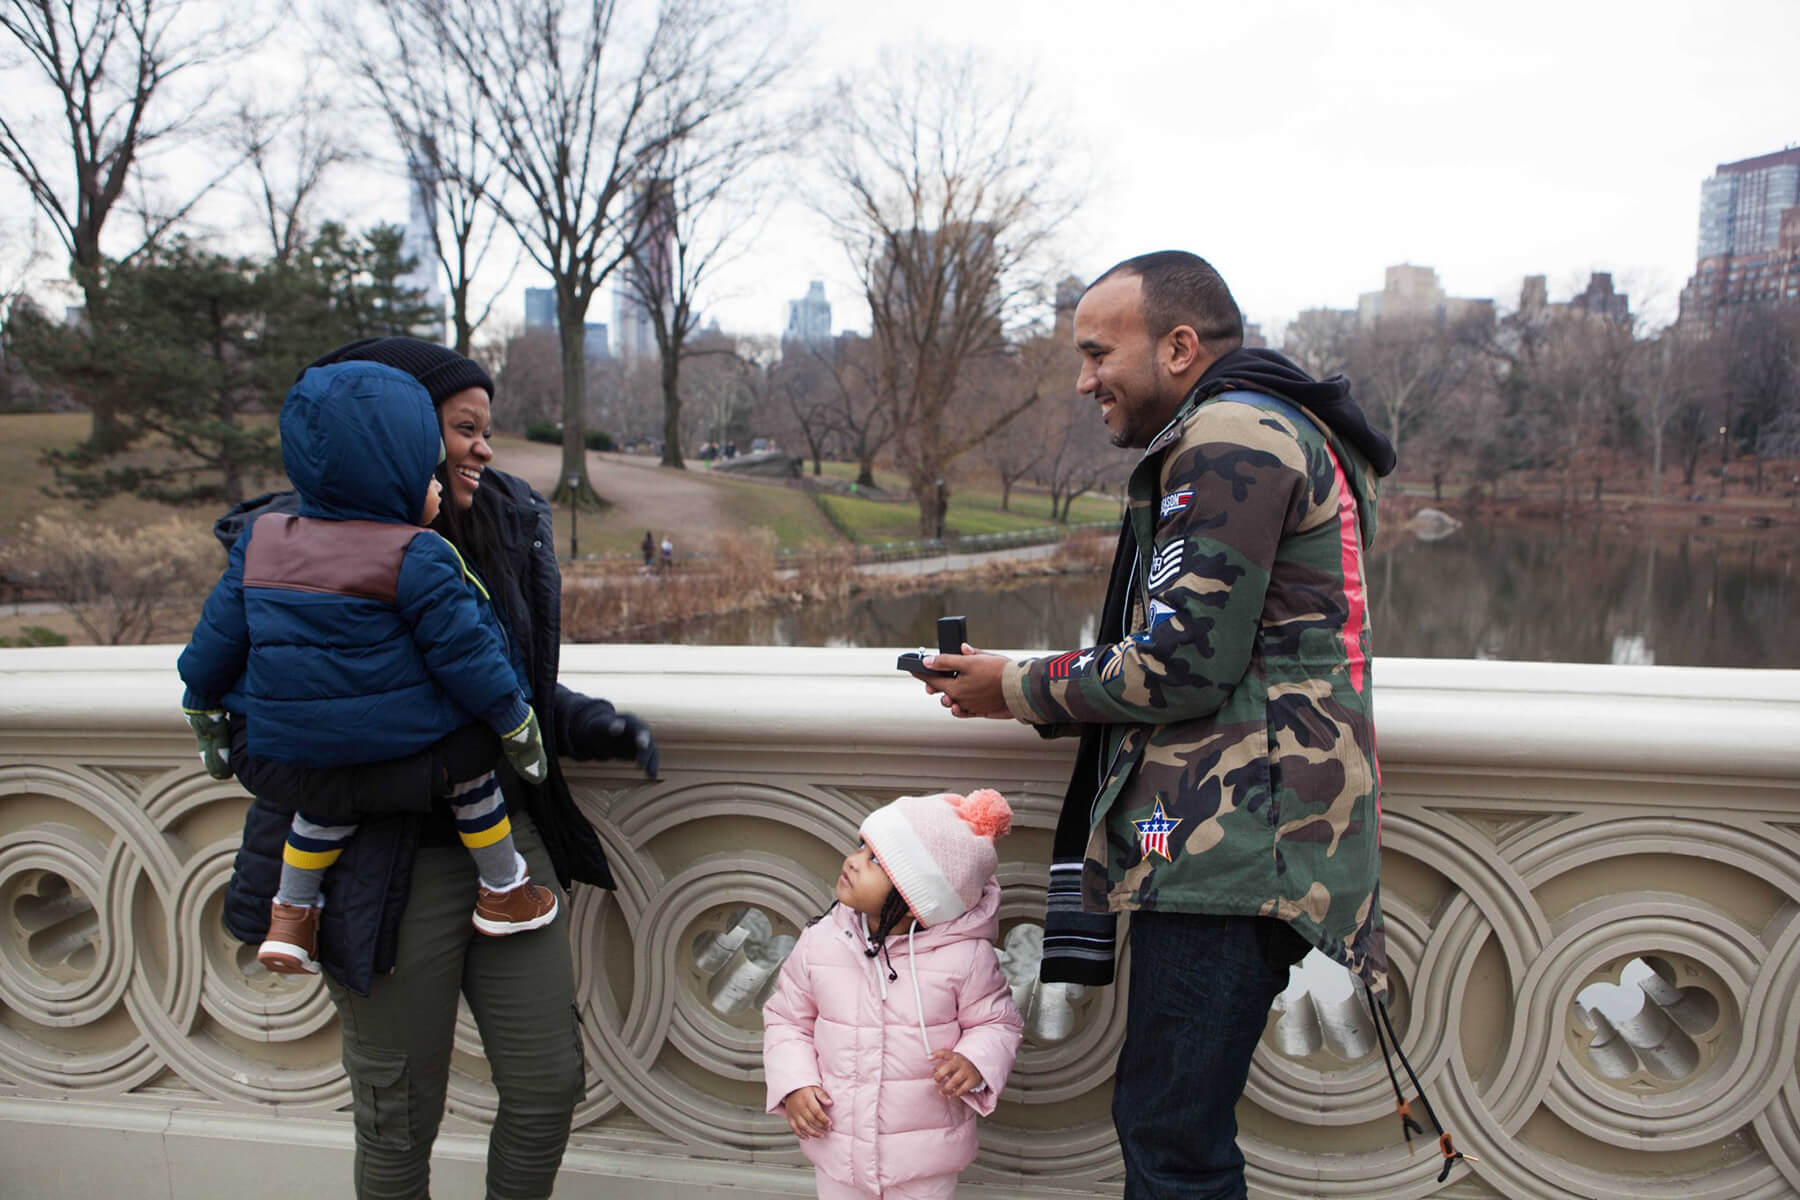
column 954, row 1075
column 806, row 1111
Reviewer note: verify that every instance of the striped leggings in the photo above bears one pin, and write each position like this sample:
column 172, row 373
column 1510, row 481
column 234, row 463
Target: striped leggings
column 481, row 823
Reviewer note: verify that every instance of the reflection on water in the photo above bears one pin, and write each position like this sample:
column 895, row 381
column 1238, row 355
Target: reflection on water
column 1576, row 595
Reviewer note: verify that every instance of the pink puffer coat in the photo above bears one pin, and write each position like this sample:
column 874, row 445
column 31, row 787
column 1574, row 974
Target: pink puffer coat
column 836, row 1021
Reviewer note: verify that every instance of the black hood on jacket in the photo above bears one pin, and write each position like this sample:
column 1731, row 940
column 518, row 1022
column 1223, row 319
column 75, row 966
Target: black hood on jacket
column 242, row 515
column 1327, row 399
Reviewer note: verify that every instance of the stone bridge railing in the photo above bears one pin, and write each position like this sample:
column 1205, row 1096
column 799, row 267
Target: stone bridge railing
column 1592, row 879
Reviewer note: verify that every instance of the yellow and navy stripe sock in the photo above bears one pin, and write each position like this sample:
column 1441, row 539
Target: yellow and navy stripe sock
column 482, row 824
column 311, row 848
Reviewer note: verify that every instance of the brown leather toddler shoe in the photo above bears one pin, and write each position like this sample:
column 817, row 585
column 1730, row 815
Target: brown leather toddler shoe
column 526, row 906
column 288, row 948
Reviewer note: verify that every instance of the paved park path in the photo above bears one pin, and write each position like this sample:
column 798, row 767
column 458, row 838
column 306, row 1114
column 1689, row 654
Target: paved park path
column 683, row 504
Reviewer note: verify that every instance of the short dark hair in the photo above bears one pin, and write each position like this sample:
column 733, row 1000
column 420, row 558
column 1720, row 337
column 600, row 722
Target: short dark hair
column 1183, row 289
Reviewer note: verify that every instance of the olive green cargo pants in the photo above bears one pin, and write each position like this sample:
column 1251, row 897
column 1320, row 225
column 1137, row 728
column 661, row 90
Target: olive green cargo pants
column 398, row 1040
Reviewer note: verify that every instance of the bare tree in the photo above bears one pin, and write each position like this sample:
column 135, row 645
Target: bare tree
column 1044, row 443
column 1320, row 339
column 801, row 402
column 288, row 152
column 1403, row 367
column 859, row 412
column 1761, row 378
column 110, row 64
column 530, row 380
column 942, row 195
column 698, row 204
column 574, row 110
column 722, row 387
column 1014, row 453
column 434, row 108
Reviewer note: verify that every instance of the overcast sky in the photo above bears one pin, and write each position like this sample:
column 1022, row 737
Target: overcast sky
column 1305, row 145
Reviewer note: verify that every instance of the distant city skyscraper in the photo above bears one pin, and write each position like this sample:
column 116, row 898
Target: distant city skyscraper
column 420, row 243
column 1412, row 293
column 594, row 343
column 809, row 318
column 540, row 308
column 1741, row 205
column 1749, row 245
column 650, row 273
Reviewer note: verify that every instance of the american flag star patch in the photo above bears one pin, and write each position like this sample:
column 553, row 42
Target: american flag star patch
column 1058, row 667
column 1166, row 565
column 1154, row 831
column 1174, row 502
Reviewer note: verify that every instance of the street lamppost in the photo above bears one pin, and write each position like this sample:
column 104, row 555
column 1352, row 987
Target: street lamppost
column 1722, row 431
column 574, row 491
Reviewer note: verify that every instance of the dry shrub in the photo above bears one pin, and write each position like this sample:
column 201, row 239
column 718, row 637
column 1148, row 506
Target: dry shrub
column 824, row 574
column 730, row 575
column 122, row 586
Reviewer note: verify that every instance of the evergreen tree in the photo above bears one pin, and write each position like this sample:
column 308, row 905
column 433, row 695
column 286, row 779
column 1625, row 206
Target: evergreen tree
column 194, row 351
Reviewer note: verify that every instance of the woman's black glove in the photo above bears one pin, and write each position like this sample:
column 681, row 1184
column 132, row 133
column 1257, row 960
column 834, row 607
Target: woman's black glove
column 602, row 732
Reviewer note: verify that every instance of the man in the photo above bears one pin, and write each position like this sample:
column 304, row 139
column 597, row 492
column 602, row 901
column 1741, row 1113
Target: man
column 1225, row 789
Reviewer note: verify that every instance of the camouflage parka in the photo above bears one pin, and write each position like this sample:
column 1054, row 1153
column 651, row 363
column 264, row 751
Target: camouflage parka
column 1238, row 771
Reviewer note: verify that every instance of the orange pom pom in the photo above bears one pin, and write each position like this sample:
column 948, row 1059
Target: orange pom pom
column 986, row 812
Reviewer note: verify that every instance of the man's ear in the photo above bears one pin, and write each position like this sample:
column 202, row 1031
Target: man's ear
column 1183, row 349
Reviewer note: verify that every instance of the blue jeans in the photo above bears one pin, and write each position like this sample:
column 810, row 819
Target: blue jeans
column 1201, row 987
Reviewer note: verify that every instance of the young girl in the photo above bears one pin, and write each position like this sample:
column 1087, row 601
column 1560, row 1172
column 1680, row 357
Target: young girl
column 881, row 1049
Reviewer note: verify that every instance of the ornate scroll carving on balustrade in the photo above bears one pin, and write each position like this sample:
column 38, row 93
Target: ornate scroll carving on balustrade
column 1593, row 961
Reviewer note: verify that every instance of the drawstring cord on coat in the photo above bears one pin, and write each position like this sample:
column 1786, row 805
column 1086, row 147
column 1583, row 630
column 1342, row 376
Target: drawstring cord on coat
column 880, row 949
column 1378, row 1016
column 912, row 969
column 874, row 949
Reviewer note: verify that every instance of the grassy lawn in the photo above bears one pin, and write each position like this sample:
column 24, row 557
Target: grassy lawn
column 23, row 476
column 972, row 512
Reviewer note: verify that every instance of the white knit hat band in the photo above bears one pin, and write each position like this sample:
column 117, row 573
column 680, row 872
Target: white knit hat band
column 924, row 888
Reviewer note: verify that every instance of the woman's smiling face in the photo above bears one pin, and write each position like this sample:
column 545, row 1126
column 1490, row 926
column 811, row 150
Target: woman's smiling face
column 466, row 416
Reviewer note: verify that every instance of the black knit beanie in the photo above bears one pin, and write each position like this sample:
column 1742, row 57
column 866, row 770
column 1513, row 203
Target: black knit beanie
column 442, row 370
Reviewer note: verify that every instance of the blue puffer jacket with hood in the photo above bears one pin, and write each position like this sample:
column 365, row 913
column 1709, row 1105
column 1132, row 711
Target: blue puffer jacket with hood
column 348, row 633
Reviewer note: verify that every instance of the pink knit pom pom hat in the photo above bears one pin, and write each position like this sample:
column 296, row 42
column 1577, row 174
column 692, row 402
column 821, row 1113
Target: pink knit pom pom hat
column 939, row 850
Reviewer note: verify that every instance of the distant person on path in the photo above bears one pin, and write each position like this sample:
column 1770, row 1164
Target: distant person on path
column 649, row 548
column 349, row 633
column 1225, row 791
column 882, row 1049
column 396, row 941
column 668, row 552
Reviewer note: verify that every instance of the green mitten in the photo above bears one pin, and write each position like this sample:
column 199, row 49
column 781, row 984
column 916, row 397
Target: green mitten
column 213, row 734
column 524, row 749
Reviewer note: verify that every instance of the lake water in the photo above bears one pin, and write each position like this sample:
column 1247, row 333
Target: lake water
column 1546, row 594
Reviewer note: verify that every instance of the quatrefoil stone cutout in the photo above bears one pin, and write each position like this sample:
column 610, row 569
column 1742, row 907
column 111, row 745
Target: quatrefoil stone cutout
column 57, row 926
column 1647, row 1026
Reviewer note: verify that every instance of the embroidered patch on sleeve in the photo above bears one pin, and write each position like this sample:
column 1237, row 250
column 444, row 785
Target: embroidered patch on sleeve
column 1160, row 612
column 1154, row 830
column 1174, row 502
column 1112, row 661
column 1166, row 565
column 1058, row 667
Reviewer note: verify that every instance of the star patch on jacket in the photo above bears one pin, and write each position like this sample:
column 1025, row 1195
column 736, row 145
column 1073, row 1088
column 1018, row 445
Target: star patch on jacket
column 1154, row 831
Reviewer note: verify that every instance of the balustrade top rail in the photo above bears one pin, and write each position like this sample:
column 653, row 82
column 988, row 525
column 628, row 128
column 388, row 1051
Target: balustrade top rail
column 1690, row 720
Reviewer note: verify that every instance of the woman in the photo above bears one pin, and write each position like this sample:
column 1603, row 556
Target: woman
column 395, row 937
